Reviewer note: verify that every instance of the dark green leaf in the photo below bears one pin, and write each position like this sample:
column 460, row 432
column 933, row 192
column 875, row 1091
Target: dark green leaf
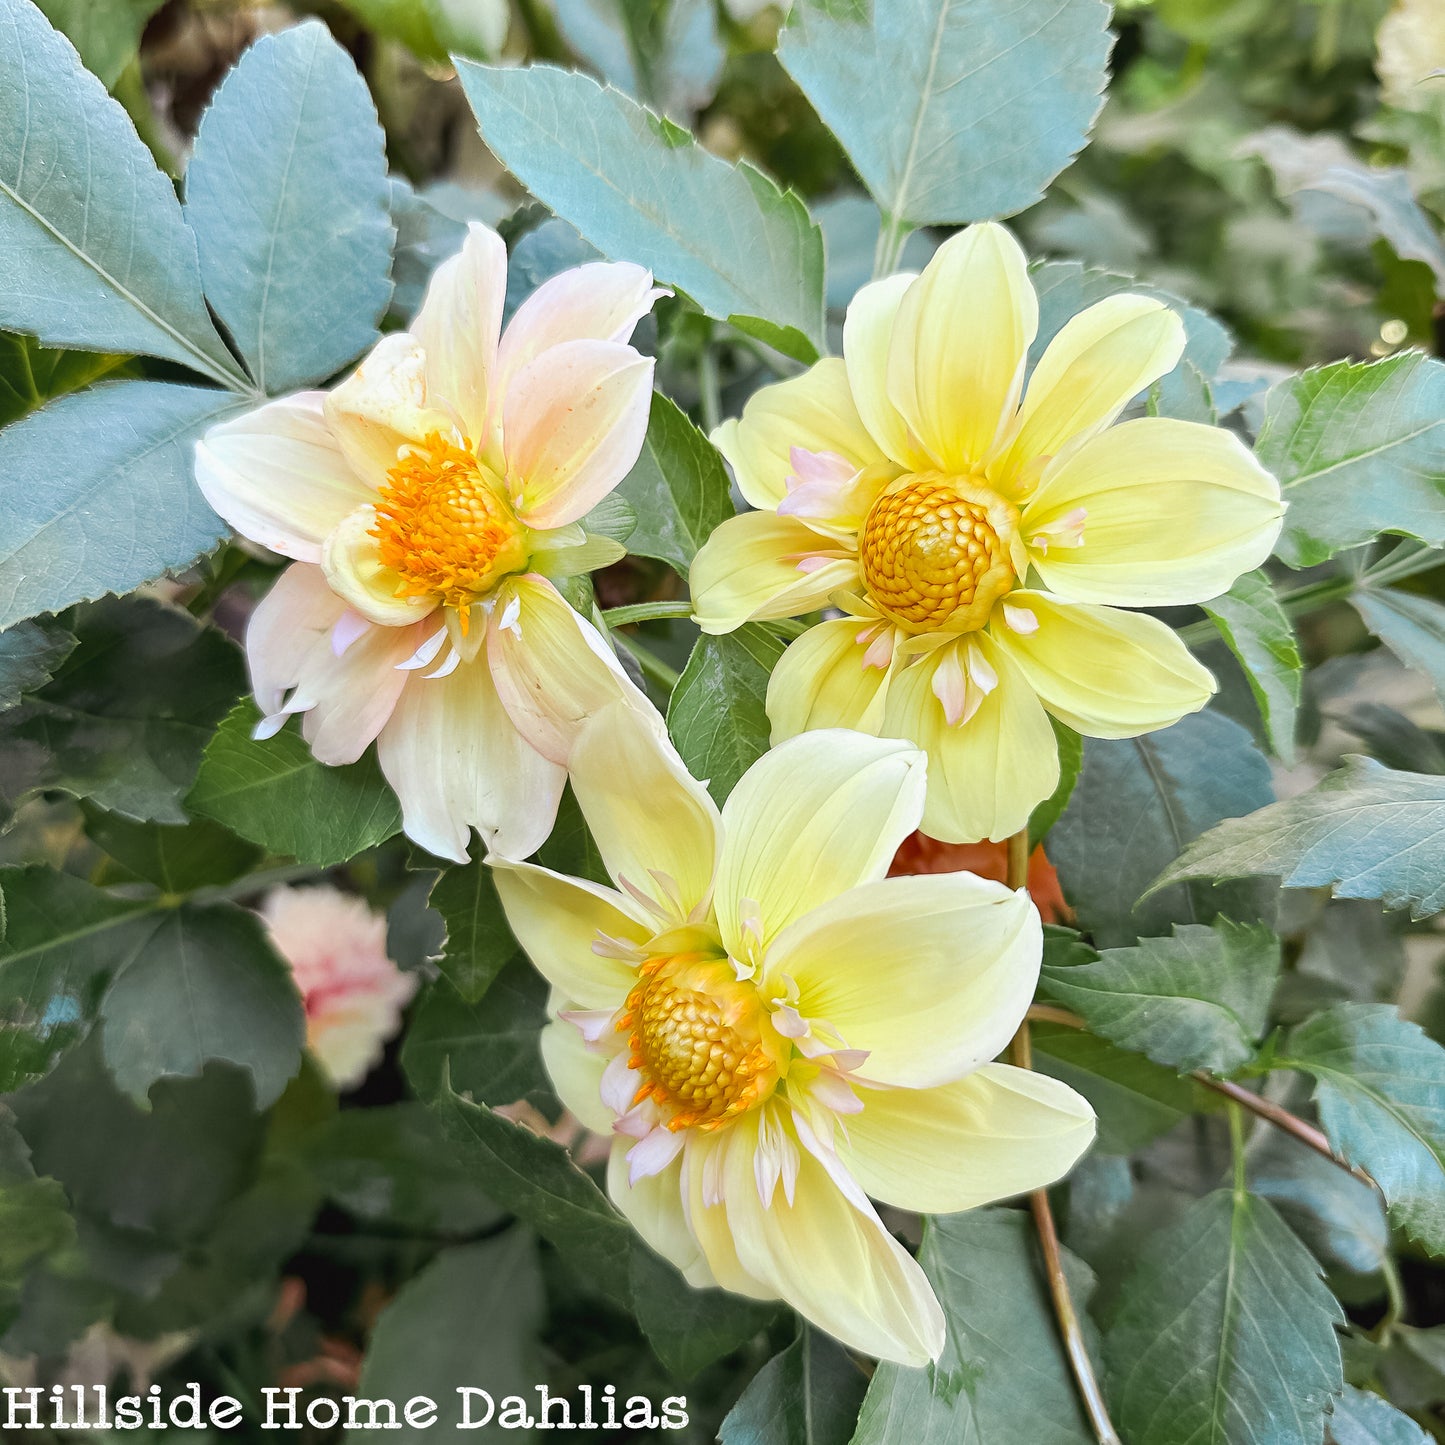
column 30, row 652
column 34, row 1214
column 1224, row 1332
column 1197, row 1000
column 1258, row 632
column 478, row 942
column 807, row 1395
column 175, row 857
column 1071, row 760
column 287, row 194
column 1380, row 1090
column 1412, row 627
column 126, row 717
column 973, row 108
column 1141, row 800
column 105, row 32
column 1359, row 449
column 717, row 715
column 206, row 985
column 1364, row 832
column 276, row 794
column 746, row 250
column 678, row 489
column 1003, row 1378
column 97, row 254
column 125, row 507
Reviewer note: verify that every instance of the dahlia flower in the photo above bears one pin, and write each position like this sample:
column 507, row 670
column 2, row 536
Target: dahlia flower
column 981, row 545
column 774, row 1033
column 430, row 501
column 352, row 992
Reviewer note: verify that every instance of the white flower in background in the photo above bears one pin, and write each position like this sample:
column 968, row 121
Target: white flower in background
column 430, row 502
column 353, row 993
column 1411, row 54
column 773, row 1031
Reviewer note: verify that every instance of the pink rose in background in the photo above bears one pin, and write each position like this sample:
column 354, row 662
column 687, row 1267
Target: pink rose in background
column 353, row 992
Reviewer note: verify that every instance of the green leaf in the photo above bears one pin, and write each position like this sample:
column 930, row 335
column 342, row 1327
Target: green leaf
column 390, row 1166
column 1224, row 1332
column 276, row 794
column 97, row 254
column 1071, row 760
column 480, row 1302
column 1359, row 449
column 175, row 857
column 1257, row 631
column 536, row 1180
column 478, row 942
column 639, row 188
column 808, row 1394
column 1136, row 1100
column 63, row 939
column 1380, row 1090
column 1143, row 799
column 1364, row 832
column 1197, row 1000
column 488, row 1049
column 287, row 195
column 105, row 32
column 678, row 489
column 717, row 714
column 30, row 652
column 207, row 985
column 31, row 374
column 1003, row 1378
column 1360, row 1418
column 1412, row 627
column 34, row 1213
column 123, row 510
column 126, row 717
column 953, row 110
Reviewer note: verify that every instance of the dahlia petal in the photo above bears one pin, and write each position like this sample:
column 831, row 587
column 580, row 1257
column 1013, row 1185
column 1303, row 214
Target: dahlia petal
column 1103, row 672
column 653, row 1206
column 355, row 572
column 576, row 1074
column 279, row 477
column 825, row 679
column 867, row 332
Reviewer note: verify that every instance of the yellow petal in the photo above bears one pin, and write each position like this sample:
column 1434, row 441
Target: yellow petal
column 703, row 1159
column 821, row 682
column 1106, row 673
column 354, row 570
column 817, row 815
column 456, row 762
column 985, row 774
column 1172, row 512
column 653, row 1207
column 814, row 411
column 830, row 1257
column 748, row 571
column 576, row 1074
column 931, row 974
column 557, row 920
column 998, row 1132
column 654, row 824
column 955, row 362
column 1100, row 360
column 552, row 669
column 867, row 332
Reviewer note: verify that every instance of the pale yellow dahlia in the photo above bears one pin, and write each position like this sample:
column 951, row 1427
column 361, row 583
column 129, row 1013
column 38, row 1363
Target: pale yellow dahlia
column 773, row 1031
column 1410, row 55
column 981, row 545
column 430, row 500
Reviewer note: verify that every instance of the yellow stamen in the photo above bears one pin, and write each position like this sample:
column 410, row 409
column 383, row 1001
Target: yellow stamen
column 698, row 1038
column 935, row 550
column 443, row 523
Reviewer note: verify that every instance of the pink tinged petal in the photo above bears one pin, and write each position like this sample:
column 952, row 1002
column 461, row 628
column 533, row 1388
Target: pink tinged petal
column 1020, row 619
column 653, row 1206
column 833, row 1091
column 459, row 325
column 830, row 491
column 619, row 1085
column 652, row 1154
column 349, row 626
column 383, row 406
column 601, row 301
column 456, row 762
column 552, row 669
column 573, row 424
column 347, row 699
column 279, row 476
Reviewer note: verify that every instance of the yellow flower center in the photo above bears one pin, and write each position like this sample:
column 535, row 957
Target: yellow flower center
column 443, row 522
column 935, row 550
column 701, row 1041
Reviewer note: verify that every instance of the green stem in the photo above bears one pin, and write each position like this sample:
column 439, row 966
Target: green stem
column 893, row 234
column 646, row 612
column 709, row 392
column 1394, row 1301
column 1236, row 1145
column 542, row 33
column 651, row 664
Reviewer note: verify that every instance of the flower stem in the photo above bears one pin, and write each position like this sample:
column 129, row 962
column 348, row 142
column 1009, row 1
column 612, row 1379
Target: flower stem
column 647, row 612
column 651, row 664
column 1070, row 1328
column 893, row 234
